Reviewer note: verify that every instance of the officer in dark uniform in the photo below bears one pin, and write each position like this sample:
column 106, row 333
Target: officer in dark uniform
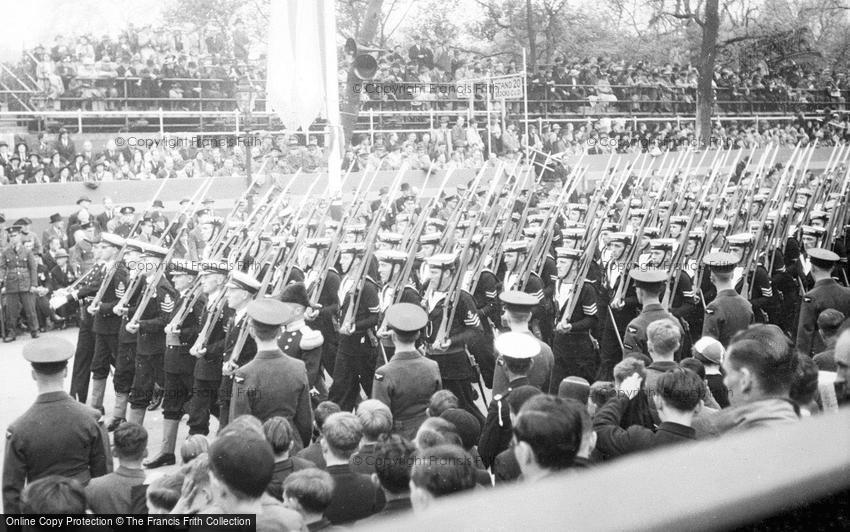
column 106, row 322
column 125, row 361
column 272, row 384
column 81, row 297
column 208, row 351
column 126, row 225
column 242, row 288
column 57, row 435
column 358, row 344
column 649, row 284
column 573, row 347
column 729, row 312
column 826, row 293
column 301, row 342
column 150, row 346
column 178, row 364
column 407, row 382
column 456, row 372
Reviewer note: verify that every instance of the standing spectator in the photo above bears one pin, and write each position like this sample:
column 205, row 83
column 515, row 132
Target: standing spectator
column 53, row 495
column 113, row 493
column 281, row 437
column 56, row 229
column 377, row 422
column 19, row 275
column 310, row 492
column 710, row 352
column 394, row 457
column 440, row 471
column 355, row 496
column 241, row 467
column 829, row 325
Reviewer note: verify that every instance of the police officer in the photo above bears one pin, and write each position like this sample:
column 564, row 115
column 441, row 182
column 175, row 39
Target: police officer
column 178, row 364
column 57, row 435
column 407, row 381
column 574, row 348
column 300, row 341
column 106, row 322
column 649, row 284
column 272, row 384
column 18, row 275
column 826, row 293
column 729, row 312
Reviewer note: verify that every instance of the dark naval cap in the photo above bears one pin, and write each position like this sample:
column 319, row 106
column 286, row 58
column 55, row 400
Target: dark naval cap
column 406, row 317
column 823, row 258
column 48, row 350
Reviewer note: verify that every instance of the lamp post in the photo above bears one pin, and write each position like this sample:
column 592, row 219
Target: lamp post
column 245, row 104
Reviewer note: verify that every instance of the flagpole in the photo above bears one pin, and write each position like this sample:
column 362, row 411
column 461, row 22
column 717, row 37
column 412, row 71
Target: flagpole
column 335, row 139
column 525, row 105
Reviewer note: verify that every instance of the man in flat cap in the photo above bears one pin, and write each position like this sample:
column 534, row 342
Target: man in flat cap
column 272, row 384
column 729, row 312
column 826, row 293
column 57, row 435
column 407, row 382
column 19, row 277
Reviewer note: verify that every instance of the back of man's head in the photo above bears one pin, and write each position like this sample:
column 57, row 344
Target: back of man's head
column 662, row 338
column 768, row 355
column 436, row 431
column 393, row 462
column 243, row 463
column 375, row 417
column 130, row 441
column 804, row 386
column 279, row 434
column 342, row 433
column 323, row 411
column 681, row 389
column 628, row 367
column 443, row 470
column 312, row 488
column 552, row 429
column 441, row 401
column 54, row 495
column 829, row 322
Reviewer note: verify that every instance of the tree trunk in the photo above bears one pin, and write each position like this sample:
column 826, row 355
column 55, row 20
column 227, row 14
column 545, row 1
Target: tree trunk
column 350, row 104
column 532, row 45
column 708, row 54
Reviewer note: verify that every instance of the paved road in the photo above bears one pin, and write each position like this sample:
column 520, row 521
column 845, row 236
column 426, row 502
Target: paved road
column 18, row 391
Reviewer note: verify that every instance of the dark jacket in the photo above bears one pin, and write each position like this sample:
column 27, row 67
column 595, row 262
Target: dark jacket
column 355, row 496
column 614, row 440
column 18, row 269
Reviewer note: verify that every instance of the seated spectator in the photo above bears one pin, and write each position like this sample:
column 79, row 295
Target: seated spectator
column 112, row 493
column 394, row 457
column 678, row 397
column 313, row 452
column 355, row 496
column 697, row 367
column 241, row 467
column 468, row 429
column 759, row 369
column 280, row 435
column 829, row 325
column 53, row 495
column 437, row 472
column 377, row 421
column 310, row 492
column 548, row 435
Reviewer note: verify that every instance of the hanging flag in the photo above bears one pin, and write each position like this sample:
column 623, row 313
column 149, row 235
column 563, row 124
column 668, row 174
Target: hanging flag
column 301, row 81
